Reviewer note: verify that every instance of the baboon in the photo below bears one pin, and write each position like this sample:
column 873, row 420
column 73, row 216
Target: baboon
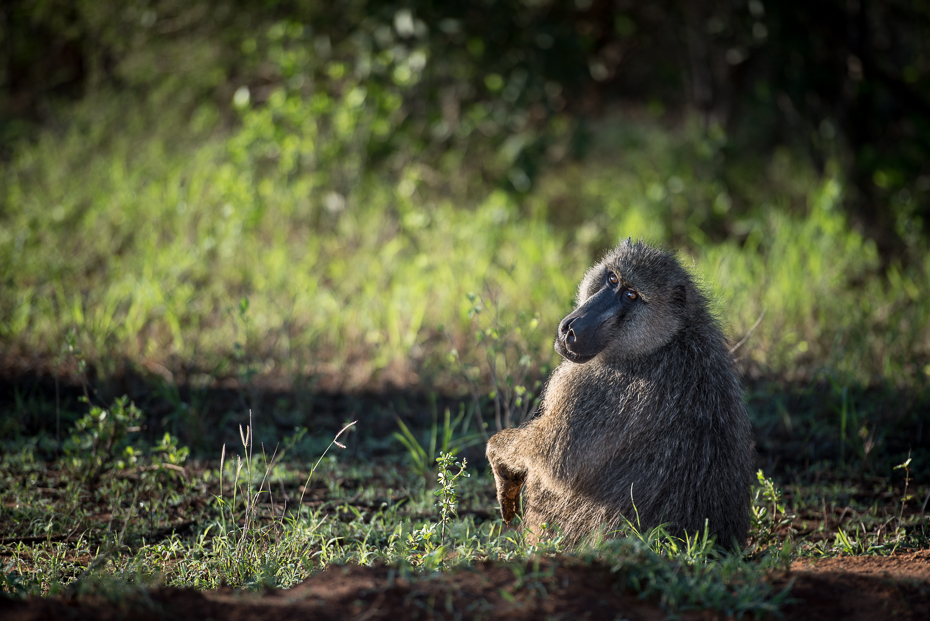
column 642, row 421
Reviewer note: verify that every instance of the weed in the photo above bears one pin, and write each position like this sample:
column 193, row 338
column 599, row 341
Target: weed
column 69, row 349
column 767, row 513
column 849, row 419
column 907, row 480
column 446, row 491
column 186, row 418
column 421, row 549
column 267, row 212
column 423, row 458
column 99, row 439
column 703, row 580
column 317, row 464
column 506, row 356
column 254, row 546
column 12, row 583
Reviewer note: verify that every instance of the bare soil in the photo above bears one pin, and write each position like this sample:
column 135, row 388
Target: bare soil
column 853, row 588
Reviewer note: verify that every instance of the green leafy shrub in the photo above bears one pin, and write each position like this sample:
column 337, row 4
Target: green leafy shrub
column 100, row 439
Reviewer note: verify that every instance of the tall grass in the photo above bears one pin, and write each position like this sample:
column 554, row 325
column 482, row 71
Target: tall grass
column 146, row 242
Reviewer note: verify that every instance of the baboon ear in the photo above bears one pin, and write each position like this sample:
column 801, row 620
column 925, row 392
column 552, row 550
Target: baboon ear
column 680, row 295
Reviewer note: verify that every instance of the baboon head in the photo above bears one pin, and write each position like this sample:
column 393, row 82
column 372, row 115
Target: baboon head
column 631, row 303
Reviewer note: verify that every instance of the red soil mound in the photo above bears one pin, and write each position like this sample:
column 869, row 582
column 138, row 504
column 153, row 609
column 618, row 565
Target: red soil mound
column 872, row 588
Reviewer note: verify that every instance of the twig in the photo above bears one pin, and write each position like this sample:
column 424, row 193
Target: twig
column 745, row 338
column 38, row 538
column 473, row 388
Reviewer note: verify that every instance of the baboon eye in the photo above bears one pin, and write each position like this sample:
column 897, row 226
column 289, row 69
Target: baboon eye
column 612, row 279
column 630, row 294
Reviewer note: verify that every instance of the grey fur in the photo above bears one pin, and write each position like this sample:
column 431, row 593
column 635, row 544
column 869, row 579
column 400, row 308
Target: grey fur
column 651, row 415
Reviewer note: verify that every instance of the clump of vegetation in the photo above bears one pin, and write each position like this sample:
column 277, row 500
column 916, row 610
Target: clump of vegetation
column 452, row 438
column 327, row 173
column 254, row 520
column 446, row 491
column 768, row 513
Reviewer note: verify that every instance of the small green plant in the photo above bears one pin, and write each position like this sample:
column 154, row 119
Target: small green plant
column 850, row 543
column 421, row 548
column 424, row 547
column 251, row 548
column 423, row 458
column 705, row 579
column 245, row 371
column 187, row 416
column 12, row 584
column 907, row 479
column 243, row 546
column 99, row 440
column 900, row 531
column 446, row 492
column 508, row 360
column 69, row 349
column 693, row 547
column 862, row 441
column 317, row 464
column 767, row 513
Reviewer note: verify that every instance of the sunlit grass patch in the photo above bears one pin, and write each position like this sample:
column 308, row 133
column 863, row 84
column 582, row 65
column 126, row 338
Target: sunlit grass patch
column 147, row 251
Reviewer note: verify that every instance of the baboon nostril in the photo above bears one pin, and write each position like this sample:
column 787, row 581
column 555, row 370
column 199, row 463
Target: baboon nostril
column 570, row 337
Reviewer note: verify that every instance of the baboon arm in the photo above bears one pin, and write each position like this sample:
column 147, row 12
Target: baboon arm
column 509, row 468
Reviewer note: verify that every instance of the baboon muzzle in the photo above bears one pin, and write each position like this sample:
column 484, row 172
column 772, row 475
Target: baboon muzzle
column 585, row 332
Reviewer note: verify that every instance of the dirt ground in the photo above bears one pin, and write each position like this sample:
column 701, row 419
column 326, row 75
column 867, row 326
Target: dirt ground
column 851, row 588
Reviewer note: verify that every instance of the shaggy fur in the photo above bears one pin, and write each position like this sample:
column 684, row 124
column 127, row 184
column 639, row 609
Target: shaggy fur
column 650, row 428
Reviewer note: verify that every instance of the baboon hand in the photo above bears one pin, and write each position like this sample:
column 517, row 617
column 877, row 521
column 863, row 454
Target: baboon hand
column 508, row 495
column 509, row 485
column 508, row 473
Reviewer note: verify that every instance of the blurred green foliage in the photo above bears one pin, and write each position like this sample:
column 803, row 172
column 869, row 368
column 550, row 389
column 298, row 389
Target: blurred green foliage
column 501, row 81
column 355, row 173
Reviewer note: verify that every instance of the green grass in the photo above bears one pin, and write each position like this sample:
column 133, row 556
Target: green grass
column 146, row 240
column 256, row 518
